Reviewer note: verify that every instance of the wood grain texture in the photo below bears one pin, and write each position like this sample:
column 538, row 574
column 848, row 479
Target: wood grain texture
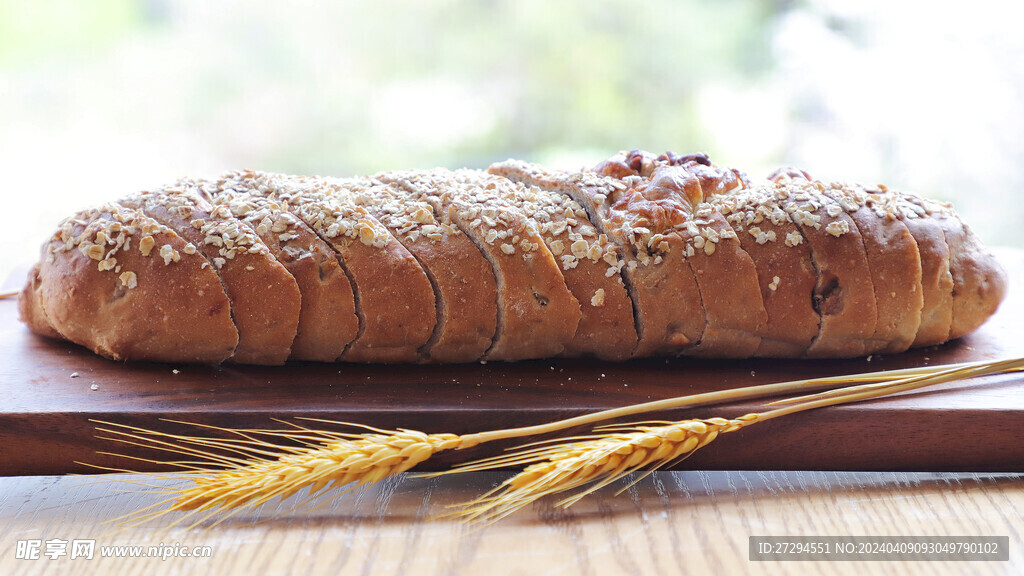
column 972, row 426
column 695, row 522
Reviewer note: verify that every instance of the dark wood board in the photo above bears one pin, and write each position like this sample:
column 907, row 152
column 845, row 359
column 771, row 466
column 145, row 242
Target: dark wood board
column 966, row 426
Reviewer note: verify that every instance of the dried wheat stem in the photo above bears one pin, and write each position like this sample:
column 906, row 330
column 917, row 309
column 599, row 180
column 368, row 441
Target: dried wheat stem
column 247, row 469
column 867, row 379
column 259, row 470
column 606, row 457
column 8, row 294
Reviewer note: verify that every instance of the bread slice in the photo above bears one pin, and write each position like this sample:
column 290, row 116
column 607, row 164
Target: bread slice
column 327, row 317
column 265, row 299
column 936, row 280
column 589, row 263
column 725, row 272
column 979, row 281
column 667, row 308
column 466, row 296
column 394, row 299
column 895, row 263
column 844, row 295
column 31, row 309
column 537, row 315
column 785, row 272
column 129, row 288
column 975, row 284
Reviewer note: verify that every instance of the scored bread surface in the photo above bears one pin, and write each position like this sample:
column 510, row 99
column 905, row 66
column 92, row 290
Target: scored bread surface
column 265, row 298
column 393, row 296
column 779, row 251
column 667, row 309
column 641, row 256
column 327, row 316
column 463, row 282
column 537, row 315
column 129, row 288
column 895, row 263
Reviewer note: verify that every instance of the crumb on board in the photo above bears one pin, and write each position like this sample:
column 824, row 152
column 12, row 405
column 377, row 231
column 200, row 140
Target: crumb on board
column 175, row 371
column 74, row 374
column 94, row 387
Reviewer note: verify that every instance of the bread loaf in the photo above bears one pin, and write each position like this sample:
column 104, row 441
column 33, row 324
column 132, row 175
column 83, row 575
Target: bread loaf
column 640, row 256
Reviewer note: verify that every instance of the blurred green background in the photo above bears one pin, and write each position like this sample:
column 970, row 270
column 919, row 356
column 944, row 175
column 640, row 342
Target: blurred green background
column 100, row 98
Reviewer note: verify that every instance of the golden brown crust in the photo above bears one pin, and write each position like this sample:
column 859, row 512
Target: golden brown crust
column 785, row 271
column 641, row 256
column 976, row 283
column 394, row 298
column 936, row 281
column 106, row 286
column 465, row 292
column 670, row 196
column 265, row 299
column 725, row 272
column 666, row 301
column 538, row 315
column 979, row 281
column 589, row 264
column 844, row 294
column 327, row 317
column 30, row 306
column 895, row 263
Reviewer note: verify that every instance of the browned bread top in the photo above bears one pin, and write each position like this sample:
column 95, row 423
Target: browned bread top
column 128, row 287
column 643, row 255
column 327, row 317
column 265, row 299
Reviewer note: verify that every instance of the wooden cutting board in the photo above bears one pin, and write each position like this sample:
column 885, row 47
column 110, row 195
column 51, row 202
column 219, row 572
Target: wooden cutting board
column 48, row 399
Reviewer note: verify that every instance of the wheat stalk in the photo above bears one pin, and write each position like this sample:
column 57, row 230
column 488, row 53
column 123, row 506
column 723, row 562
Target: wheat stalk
column 617, row 451
column 250, row 467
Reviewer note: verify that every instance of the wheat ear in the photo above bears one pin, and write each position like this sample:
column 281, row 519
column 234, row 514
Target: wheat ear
column 248, row 470
column 252, row 466
column 616, row 451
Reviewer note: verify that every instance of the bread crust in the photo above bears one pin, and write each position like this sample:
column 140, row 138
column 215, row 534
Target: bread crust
column 538, row 315
column 106, row 286
column 589, row 264
column 936, row 281
column 30, row 306
column 393, row 296
column 641, row 256
column 327, row 316
column 979, row 281
column 667, row 309
column 895, row 263
column 844, row 294
column 265, row 299
column 785, row 271
column 466, row 296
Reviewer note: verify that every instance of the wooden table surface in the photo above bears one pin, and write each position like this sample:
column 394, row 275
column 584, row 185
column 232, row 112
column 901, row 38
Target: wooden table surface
column 691, row 522
column 684, row 522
